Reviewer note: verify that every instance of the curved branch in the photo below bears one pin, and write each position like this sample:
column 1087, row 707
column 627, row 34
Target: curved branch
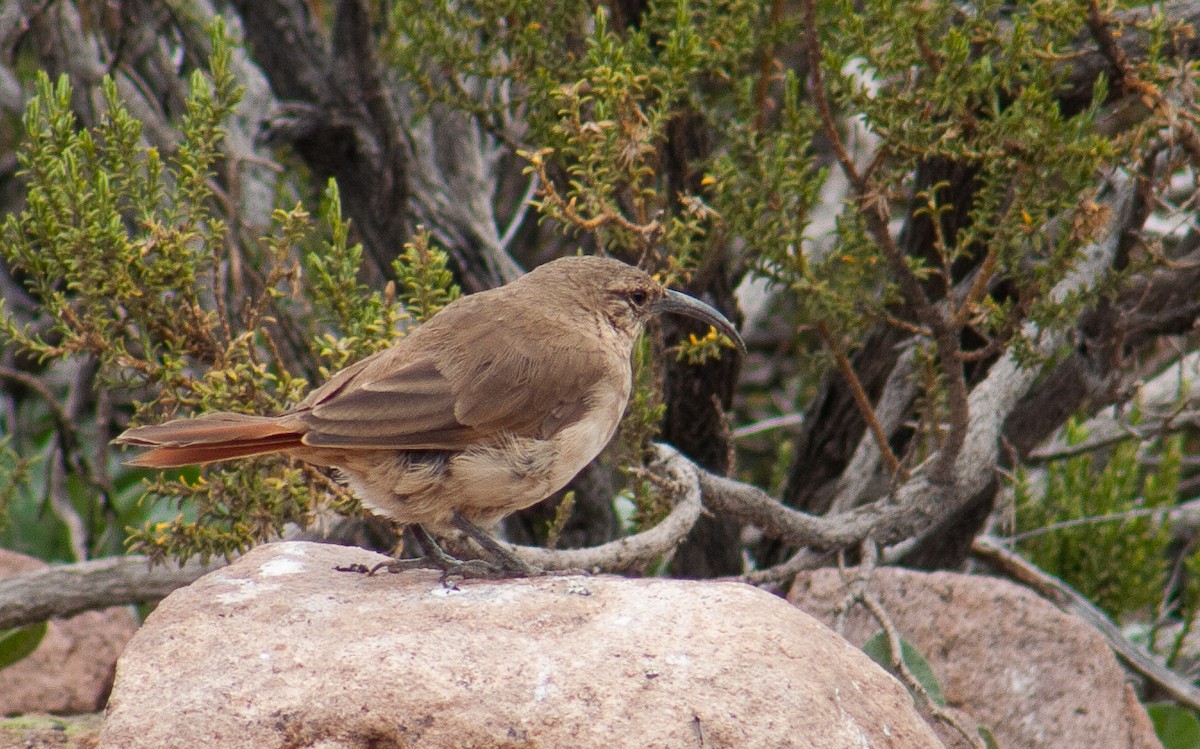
column 637, row 551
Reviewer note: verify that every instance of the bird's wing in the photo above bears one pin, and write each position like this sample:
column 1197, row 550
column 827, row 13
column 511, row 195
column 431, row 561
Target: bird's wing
column 444, row 393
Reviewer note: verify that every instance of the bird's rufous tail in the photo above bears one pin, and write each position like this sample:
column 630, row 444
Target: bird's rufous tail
column 209, row 438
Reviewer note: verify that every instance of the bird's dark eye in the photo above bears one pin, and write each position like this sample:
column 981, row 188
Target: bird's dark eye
column 637, row 297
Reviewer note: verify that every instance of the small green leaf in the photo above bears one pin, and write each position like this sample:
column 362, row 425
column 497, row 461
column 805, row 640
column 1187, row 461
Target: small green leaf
column 1176, row 727
column 878, row 649
column 18, row 643
column 989, row 738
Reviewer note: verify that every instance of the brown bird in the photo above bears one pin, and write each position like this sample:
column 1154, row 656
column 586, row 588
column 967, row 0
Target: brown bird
column 493, row 404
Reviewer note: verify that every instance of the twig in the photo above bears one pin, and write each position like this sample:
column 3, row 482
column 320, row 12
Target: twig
column 767, row 425
column 1116, row 433
column 781, row 574
column 1091, row 520
column 518, row 217
column 896, row 646
column 65, row 454
column 62, row 424
column 765, row 65
column 338, row 490
column 858, row 593
column 816, row 70
column 860, row 398
column 890, row 409
column 857, row 585
column 979, row 287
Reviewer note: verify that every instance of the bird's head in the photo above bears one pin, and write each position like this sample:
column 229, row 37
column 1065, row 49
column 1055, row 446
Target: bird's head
column 627, row 296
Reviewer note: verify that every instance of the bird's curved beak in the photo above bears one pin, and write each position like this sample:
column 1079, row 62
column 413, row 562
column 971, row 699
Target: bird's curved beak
column 682, row 304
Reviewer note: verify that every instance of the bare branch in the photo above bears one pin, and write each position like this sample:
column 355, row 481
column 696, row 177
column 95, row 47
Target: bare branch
column 1161, row 414
column 896, row 648
column 785, row 421
column 635, row 552
column 338, row 115
column 898, row 394
column 860, row 397
column 69, row 589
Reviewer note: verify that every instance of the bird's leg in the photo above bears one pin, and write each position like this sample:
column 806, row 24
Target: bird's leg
column 429, row 546
column 504, row 563
column 433, row 557
column 507, row 560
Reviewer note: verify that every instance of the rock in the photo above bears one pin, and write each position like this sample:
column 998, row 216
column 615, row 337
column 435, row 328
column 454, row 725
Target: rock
column 72, row 669
column 281, row 650
column 1005, row 658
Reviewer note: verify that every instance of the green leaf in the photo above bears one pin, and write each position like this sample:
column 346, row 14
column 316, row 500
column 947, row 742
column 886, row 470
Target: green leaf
column 989, row 738
column 1176, row 727
column 18, row 643
column 879, row 650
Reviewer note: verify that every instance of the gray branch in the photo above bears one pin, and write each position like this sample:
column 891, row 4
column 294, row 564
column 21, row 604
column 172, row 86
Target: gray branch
column 336, row 112
column 66, row 590
column 636, row 552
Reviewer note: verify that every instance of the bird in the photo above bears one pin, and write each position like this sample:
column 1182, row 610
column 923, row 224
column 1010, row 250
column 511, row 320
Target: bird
column 492, row 404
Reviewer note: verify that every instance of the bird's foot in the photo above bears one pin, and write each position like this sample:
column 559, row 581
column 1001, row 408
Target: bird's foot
column 392, row 565
column 503, row 562
column 450, row 567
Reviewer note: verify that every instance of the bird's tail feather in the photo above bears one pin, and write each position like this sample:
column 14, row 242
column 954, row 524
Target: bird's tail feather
column 219, row 436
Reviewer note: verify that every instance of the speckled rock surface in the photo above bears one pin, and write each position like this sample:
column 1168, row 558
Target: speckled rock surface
column 281, row 650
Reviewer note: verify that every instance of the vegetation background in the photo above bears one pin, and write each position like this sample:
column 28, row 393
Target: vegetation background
column 960, row 238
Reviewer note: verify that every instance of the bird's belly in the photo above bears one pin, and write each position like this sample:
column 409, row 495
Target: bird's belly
column 484, row 483
column 489, row 483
